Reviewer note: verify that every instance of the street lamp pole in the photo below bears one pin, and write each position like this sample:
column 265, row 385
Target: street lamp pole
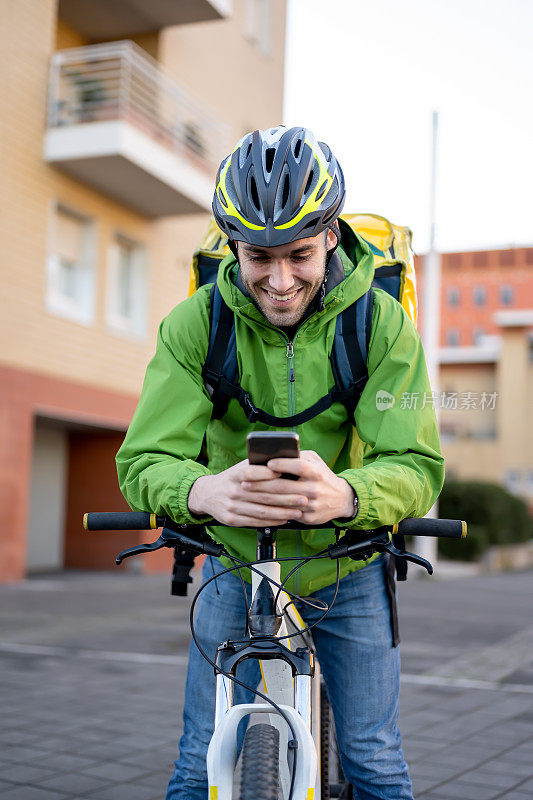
column 426, row 546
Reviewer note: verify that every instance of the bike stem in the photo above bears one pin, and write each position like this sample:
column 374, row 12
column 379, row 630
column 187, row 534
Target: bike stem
column 263, row 616
column 266, row 543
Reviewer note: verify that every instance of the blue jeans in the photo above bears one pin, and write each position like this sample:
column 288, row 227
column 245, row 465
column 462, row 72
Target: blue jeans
column 361, row 669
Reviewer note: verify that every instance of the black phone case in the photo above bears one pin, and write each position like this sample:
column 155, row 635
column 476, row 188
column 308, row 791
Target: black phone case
column 261, row 450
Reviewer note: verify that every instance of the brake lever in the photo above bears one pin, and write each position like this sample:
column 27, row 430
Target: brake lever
column 171, row 538
column 406, row 555
column 142, row 548
column 364, row 548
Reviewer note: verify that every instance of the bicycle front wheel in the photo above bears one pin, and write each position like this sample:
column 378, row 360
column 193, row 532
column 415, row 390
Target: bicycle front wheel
column 260, row 763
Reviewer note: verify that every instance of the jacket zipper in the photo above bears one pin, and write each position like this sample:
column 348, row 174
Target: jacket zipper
column 292, row 410
column 290, row 377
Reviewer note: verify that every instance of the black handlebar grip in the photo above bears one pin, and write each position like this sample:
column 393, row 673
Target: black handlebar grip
column 120, row 521
column 447, row 528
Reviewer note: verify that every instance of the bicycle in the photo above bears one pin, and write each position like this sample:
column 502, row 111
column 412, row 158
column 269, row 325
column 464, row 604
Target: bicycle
column 287, row 756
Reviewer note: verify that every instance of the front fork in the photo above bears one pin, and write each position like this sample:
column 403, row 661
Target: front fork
column 298, row 696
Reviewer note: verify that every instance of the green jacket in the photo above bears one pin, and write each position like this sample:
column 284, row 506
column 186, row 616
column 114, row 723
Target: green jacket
column 391, row 457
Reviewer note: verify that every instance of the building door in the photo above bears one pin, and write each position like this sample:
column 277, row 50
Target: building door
column 47, row 497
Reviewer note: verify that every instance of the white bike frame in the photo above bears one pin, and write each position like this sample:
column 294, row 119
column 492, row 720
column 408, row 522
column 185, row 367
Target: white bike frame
column 299, row 698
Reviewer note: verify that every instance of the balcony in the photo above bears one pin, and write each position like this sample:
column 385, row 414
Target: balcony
column 118, row 122
column 117, row 19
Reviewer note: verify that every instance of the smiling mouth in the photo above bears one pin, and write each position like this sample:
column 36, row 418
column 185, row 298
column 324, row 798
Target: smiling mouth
column 282, row 298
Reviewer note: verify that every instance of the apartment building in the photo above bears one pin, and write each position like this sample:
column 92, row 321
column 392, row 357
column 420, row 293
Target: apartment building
column 477, row 284
column 486, row 366
column 114, row 117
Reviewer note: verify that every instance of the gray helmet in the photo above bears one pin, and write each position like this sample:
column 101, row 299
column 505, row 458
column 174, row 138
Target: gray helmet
column 277, row 186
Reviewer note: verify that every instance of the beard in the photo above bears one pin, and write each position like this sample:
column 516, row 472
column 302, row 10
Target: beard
column 296, row 310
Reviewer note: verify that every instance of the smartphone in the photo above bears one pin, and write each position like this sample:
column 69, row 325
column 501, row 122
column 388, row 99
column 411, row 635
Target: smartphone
column 264, row 445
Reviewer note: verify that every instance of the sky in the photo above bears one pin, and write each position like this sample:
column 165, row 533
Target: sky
column 366, row 77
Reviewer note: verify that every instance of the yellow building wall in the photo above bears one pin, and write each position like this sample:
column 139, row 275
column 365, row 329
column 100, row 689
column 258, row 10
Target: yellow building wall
column 215, row 61
column 207, row 58
column 67, row 37
column 469, row 452
column 514, row 412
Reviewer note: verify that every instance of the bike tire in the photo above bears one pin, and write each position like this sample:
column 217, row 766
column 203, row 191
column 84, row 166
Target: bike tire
column 260, row 763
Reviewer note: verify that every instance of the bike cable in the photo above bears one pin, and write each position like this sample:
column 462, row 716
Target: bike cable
column 295, row 597
column 326, row 611
column 236, row 680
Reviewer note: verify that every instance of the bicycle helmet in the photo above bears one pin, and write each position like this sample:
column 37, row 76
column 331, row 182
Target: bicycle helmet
column 278, row 185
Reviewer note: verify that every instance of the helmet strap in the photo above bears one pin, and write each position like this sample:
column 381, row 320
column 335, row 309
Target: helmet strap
column 322, row 296
column 233, row 247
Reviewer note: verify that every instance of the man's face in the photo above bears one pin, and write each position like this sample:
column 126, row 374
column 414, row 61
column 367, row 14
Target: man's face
column 283, row 280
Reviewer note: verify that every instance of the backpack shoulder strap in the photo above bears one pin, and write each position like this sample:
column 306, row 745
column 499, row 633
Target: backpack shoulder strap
column 350, row 347
column 348, row 360
column 221, row 361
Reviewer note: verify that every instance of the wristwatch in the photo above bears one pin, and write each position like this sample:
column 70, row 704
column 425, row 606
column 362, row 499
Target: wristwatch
column 355, row 504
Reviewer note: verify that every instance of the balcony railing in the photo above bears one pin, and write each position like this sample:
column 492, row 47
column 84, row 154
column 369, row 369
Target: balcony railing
column 120, row 82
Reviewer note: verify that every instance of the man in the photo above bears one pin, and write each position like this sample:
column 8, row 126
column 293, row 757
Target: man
column 277, row 198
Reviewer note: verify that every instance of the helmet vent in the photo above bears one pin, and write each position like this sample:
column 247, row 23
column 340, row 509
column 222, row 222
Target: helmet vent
column 222, row 199
column 248, row 149
column 331, row 215
column 321, row 190
column 309, row 181
column 232, row 227
column 269, row 158
column 297, row 148
column 312, row 223
column 254, row 193
column 285, row 194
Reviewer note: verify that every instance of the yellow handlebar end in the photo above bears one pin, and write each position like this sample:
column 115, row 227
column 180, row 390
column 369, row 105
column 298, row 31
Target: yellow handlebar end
column 153, row 521
column 395, row 529
column 464, row 532
column 85, row 522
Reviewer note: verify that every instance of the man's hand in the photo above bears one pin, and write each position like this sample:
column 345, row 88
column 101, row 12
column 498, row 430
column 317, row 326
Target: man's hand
column 325, row 496
column 223, row 497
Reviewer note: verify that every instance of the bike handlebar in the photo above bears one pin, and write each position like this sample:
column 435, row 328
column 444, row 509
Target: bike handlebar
column 142, row 520
column 122, row 521
column 445, row 528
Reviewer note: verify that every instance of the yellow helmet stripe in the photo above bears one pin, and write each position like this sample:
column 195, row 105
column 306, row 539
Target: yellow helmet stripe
column 311, row 204
column 227, row 201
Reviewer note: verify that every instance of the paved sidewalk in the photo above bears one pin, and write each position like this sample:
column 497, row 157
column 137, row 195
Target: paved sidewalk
column 93, row 670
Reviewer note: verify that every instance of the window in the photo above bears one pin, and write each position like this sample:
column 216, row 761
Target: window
column 506, row 295
column 478, row 334
column 448, row 432
column 454, row 296
column 506, row 257
column 513, row 480
column 127, row 288
column 70, row 270
column 453, row 337
column 479, row 295
column 481, row 259
column 258, row 21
